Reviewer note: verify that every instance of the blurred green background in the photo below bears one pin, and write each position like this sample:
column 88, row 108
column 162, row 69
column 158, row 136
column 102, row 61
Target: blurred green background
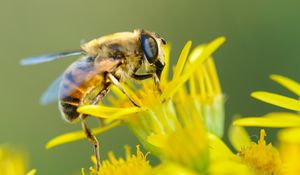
column 262, row 38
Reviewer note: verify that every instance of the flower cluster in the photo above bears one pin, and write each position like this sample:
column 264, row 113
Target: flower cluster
column 173, row 122
column 182, row 124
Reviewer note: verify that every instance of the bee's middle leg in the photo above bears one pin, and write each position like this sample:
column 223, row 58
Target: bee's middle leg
column 116, row 82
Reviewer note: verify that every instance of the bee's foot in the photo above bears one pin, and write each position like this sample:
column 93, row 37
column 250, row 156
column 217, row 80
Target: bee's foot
column 134, row 103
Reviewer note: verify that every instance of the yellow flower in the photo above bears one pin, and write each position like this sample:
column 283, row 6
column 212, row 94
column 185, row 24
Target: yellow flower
column 263, row 158
column 289, row 139
column 251, row 158
column 13, row 162
column 136, row 164
column 132, row 164
column 276, row 119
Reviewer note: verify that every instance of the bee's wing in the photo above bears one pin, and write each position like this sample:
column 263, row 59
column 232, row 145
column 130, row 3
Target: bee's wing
column 84, row 73
column 51, row 94
column 48, row 57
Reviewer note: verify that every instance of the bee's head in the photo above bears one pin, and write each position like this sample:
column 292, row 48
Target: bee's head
column 151, row 44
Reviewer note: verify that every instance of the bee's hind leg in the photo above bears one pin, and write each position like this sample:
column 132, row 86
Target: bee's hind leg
column 92, row 139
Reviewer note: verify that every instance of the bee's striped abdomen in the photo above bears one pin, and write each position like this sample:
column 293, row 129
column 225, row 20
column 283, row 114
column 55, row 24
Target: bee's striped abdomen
column 69, row 110
column 79, row 80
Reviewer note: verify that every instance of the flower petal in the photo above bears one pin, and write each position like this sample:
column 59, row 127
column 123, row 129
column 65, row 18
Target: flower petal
column 78, row 135
column 31, row 172
column 277, row 100
column 165, row 72
column 196, row 52
column 157, row 140
column 125, row 112
column 214, row 76
column 290, row 149
column 238, row 137
column 108, row 112
column 182, row 59
column 168, row 167
column 82, row 171
column 291, row 135
column 218, row 149
column 288, row 83
column 174, row 85
column 272, row 120
column 229, row 167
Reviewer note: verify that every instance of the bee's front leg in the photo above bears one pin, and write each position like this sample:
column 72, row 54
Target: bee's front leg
column 156, row 81
column 141, row 76
column 116, row 82
column 146, row 76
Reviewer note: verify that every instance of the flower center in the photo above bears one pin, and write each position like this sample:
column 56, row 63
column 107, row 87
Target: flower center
column 262, row 158
column 134, row 164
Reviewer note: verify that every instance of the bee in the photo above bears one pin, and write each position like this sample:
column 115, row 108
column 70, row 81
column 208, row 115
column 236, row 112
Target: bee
column 105, row 61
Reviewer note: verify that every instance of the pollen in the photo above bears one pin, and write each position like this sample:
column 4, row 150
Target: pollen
column 134, row 164
column 263, row 158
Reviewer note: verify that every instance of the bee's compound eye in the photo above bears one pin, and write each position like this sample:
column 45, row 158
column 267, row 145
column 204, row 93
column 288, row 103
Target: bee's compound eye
column 149, row 47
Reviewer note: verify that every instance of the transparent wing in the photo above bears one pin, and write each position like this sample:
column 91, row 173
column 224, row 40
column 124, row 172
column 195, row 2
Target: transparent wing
column 80, row 76
column 48, row 57
column 51, row 94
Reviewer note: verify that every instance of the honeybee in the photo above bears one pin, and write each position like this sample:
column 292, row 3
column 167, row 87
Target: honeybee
column 105, row 61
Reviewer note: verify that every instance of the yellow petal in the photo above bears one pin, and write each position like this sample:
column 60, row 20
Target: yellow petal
column 82, row 171
column 288, row 83
column 209, row 49
column 98, row 111
column 125, row 112
column 214, row 76
column 229, row 167
column 171, row 168
column 108, row 112
column 238, row 137
column 277, row 100
column 31, row 172
column 289, row 140
column 196, row 52
column 157, row 140
column 78, row 135
column 182, row 59
column 165, row 72
column 218, row 149
column 291, row 135
column 174, row 85
column 273, row 120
